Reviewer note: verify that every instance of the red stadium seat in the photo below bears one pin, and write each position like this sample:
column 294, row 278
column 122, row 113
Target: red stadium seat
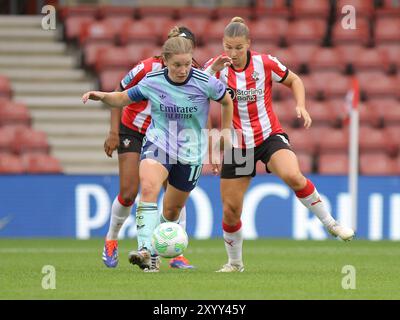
column 143, row 31
column 113, row 58
column 41, row 163
column 323, row 113
column 286, row 56
column 271, row 8
column 333, row 164
column 386, row 110
column 393, row 134
column 11, row 164
column 377, row 164
column 331, row 84
column 140, row 51
column 74, row 25
column 310, row 9
column 325, row 59
column 14, row 113
column 189, row 12
column 375, row 84
column 105, row 11
column 5, row 87
column 268, row 30
column 363, row 8
column 300, row 55
column 157, row 12
column 305, row 162
column 78, row 11
column 392, row 52
column 97, row 32
column 7, row 135
column 110, row 79
column 368, row 115
column 309, row 31
column 229, row 12
column 387, row 30
column 215, row 31
column 90, row 51
column 391, row 8
column 118, row 23
column 202, row 55
column 264, row 48
column 215, row 48
column 30, row 140
column 285, row 111
column 332, row 140
column 302, row 140
column 196, row 24
column 359, row 35
column 361, row 58
column 373, row 140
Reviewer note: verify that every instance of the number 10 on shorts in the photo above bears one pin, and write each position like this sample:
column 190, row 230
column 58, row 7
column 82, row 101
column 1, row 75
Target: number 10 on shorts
column 195, row 172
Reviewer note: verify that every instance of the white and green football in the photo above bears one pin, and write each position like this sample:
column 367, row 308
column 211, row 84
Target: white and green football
column 169, row 240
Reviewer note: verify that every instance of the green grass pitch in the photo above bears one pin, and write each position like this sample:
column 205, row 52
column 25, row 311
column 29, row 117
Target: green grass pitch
column 274, row 269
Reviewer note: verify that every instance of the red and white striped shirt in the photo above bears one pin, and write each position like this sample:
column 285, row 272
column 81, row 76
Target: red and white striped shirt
column 253, row 117
column 137, row 115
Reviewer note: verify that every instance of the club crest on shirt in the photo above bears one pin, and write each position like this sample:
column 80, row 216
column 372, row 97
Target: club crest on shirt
column 126, row 143
column 255, row 76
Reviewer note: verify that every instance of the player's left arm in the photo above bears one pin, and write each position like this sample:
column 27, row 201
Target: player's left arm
column 294, row 82
column 226, row 119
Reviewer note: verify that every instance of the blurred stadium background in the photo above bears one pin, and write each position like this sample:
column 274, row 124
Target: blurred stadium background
column 46, row 133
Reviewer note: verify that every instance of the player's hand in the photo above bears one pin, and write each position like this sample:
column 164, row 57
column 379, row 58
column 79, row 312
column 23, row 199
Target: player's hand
column 111, row 143
column 92, row 95
column 216, row 161
column 302, row 113
column 221, row 62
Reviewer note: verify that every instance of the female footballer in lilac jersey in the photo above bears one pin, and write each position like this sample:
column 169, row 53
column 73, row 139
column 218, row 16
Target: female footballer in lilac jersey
column 174, row 147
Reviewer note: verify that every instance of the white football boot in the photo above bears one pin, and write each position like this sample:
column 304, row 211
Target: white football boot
column 231, row 268
column 154, row 266
column 344, row 233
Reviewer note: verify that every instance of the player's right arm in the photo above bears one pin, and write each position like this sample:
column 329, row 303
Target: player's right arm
column 112, row 141
column 112, row 99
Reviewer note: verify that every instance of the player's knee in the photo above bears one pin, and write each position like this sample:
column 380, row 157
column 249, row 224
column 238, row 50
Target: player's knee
column 128, row 195
column 231, row 214
column 294, row 180
column 172, row 213
column 149, row 191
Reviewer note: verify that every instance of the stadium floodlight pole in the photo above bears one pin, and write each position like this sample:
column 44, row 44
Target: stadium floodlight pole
column 353, row 99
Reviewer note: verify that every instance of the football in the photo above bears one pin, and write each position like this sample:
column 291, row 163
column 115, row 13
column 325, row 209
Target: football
column 169, row 240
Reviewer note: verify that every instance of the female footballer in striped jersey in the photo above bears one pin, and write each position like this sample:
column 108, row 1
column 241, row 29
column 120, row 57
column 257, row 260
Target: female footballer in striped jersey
column 249, row 76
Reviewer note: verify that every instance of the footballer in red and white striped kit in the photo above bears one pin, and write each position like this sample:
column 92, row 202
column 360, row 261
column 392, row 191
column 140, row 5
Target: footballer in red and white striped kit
column 127, row 130
column 259, row 136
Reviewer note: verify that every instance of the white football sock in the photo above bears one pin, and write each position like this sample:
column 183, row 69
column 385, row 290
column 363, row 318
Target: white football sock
column 233, row 239
column 311, row 199
column 182, row 218
column 119, row 213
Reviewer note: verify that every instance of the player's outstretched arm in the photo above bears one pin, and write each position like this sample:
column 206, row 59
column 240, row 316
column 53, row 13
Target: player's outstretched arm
column 294, row 82
column 220, row 63
column 226, row 119
column 112, row 99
